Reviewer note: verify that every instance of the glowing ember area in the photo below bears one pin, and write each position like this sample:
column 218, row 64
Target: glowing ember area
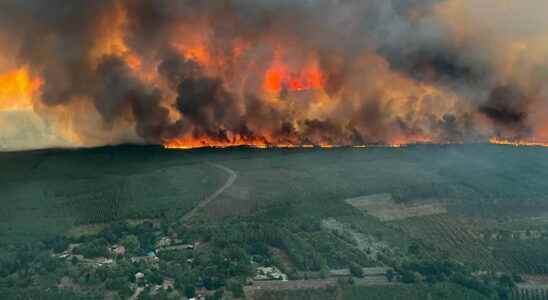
column 17, row 89
column 518, row 143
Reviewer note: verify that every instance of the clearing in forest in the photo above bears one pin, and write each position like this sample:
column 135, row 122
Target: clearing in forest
column 385, row 208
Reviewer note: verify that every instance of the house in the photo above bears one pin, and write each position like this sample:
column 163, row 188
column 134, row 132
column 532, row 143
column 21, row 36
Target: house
column 118, row 250
column 139, row 276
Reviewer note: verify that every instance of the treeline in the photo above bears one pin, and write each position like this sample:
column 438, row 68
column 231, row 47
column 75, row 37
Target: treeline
column 430, row 271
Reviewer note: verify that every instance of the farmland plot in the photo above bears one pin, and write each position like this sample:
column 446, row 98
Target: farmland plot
column 455, row 236
column 470, row 240
column 385, row 208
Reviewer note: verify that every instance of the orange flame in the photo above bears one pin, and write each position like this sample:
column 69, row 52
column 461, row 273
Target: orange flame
column 279, row 76
column 517, row 143
column 191, row 143
column 187, row 144
column 17, row 89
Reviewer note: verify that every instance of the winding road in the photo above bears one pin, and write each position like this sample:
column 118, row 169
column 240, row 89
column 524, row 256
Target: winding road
column 229, row 182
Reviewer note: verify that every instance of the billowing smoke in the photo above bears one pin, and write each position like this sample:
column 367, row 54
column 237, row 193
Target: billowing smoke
column 279, row 72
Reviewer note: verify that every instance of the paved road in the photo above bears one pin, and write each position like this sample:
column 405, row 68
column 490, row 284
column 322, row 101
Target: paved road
column 229, row 182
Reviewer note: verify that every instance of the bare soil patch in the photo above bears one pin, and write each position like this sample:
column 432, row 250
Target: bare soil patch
column 385, row 208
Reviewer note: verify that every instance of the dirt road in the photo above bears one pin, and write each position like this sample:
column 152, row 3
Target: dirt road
column 229, row 182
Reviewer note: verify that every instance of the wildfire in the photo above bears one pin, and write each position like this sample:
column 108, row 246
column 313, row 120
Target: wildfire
column 259, row 143
column 195, row 74
column 190, row 142
column 198, row 53
column 197, row 144
column 17, row 89
column 280, row 76
column 113, row 26
column 517, row 143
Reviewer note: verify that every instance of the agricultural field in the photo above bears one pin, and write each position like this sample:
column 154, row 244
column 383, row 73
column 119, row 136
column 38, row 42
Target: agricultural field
column 385, row 208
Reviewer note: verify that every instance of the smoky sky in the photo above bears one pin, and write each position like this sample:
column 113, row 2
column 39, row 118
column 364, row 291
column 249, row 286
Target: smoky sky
column 137, row 60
